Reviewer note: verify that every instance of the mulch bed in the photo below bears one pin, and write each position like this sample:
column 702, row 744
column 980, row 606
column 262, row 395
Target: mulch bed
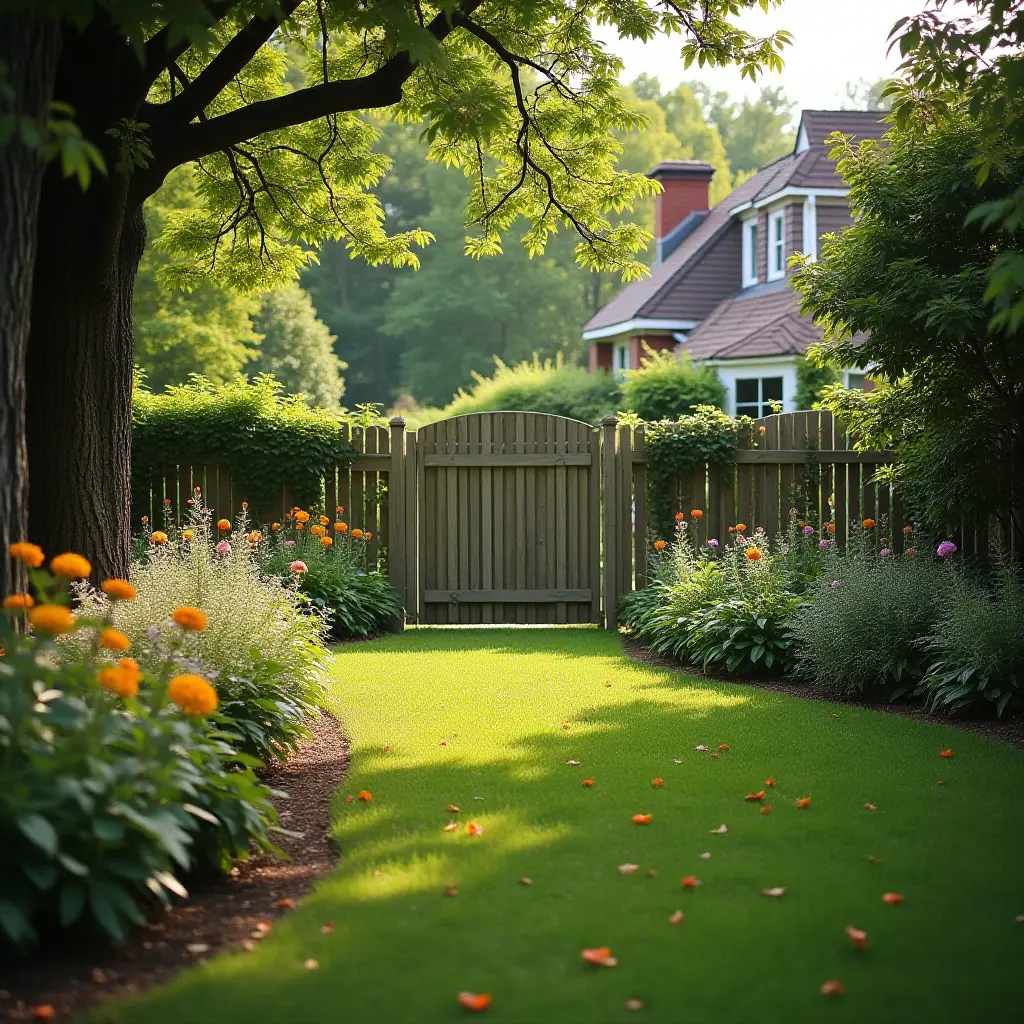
column 1008, row 730
column 219, row 915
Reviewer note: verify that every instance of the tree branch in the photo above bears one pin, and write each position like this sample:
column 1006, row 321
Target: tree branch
column 159, row 52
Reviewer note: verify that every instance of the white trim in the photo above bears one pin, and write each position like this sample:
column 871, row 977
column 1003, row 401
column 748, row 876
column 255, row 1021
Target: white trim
column 748, row 253
column 639, row 324
column 810, row 240
column 776, row 246
column 791, row 191
column 802, row 142
column 744, row 362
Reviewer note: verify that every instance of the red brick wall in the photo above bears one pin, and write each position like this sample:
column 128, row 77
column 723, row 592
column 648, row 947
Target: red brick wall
column 600, row 356
column 678, row 198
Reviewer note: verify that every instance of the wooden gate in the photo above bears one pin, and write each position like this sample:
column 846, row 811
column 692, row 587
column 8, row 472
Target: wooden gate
column 508, row 515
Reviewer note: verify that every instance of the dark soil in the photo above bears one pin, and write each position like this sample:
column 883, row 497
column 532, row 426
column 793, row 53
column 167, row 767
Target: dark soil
column 220, row 914
column 1009, row 729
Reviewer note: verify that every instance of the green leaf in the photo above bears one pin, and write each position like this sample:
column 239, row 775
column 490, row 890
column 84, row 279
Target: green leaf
column 39, row 831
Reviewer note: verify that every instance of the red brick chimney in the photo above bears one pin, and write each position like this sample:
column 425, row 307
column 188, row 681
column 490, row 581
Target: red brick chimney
column 685, row 185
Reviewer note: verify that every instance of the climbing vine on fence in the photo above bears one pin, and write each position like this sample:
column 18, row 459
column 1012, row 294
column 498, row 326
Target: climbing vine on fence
column 677, row 447
column 265, row 439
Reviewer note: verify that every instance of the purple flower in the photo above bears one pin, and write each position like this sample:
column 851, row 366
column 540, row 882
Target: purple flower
column 224, row 547
column 836, row 584
column 945, row 549
column 288, row 544
column 712, row 543
column 884, row 553
column 823, row 545
column 808, row 531
column 910, row 552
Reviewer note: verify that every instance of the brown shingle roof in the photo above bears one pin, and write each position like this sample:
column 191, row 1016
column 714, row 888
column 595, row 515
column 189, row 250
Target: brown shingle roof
column 809, row 169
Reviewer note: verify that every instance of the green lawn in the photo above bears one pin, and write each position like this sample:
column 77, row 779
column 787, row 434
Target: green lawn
column 499, row 699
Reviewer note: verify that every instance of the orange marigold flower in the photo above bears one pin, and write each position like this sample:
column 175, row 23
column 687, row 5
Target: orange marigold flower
column 19, row 601
column 803, row 803
column 299, row 526
column 600, row 955
column 158, row 537
column 357, row 533
column 660, row 545
column 367, row 536
column 118, row 590
column 193, row 694
column 70, row 565
column 26, row 553
column 114, row 640
column 255, row 536
column 275, row 527
column 340, row 509
column 741, row 527
column 300, row 516
column 122, row 679
column 326, row 542
column 341, row 527
column 642, row 819
column 145, row 519
column 657, row 783
column 317, row 531
column 190, row 618
column 830, row 527
column 753, row 553
column 868, row 524
column 588, row 782
column 224, row 524
column 188, row 534
column 697, row 513
column 365, row 795
column 51, row 618
column 474, row 1002
column 324, row 520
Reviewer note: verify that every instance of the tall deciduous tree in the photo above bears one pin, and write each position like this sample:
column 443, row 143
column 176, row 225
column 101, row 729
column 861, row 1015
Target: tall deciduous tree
column 523, row 97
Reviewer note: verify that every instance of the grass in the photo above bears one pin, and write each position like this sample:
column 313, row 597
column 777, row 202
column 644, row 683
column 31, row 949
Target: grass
column 402, row 949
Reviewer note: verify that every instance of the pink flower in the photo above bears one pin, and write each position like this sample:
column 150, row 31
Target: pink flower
column 823, row 545
column 808, row 530
column 224, row 547
column 288, row 544
column 836, row 584
column 298, row 566
column 945, row 549
column 712, row 543
column 884, row 553
column 911, row 552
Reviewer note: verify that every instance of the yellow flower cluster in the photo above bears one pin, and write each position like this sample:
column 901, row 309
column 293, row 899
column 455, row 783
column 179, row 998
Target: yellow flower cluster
column 122, row 678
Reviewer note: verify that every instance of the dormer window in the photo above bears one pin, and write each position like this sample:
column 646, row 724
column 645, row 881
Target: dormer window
column 777, row 245
column 749, row 254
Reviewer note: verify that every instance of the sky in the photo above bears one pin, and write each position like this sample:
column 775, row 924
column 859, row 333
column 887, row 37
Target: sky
column 834, row 42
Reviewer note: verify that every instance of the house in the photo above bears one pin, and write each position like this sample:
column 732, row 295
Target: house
column 719, row 288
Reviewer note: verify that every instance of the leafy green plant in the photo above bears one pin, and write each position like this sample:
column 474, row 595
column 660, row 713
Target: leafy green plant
column 859, row 630
column 976, row 644
column 665, row 387
column 262, row 645
column 112, row 794
column 744, row 634
column 262, row 437
column 675, row 447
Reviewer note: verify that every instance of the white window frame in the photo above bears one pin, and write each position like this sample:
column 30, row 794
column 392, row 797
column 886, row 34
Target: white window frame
column 810, row 243
column 749, row 275
column 620, row 358
column 776, row 245
column 761, row 403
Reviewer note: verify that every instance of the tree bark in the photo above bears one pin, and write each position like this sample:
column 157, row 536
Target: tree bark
column 29, row 47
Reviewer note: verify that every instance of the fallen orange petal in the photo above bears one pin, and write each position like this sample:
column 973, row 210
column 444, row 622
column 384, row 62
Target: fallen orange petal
column 716, row 756
column 657, row 783
column 892, row 898
column 475, row 829
column 44, row 1012
column 286, row 903
column 945, row 753
column 451, row 890
column 676, row 918
column 474, row 1002
column 870, row 807
column 453, row 808
column 690, row 882
column 770, row 782
column 755, row 797
column 723, row 746
column 365, row 795
column 803, row 802
column 588, row 782
column 327, row 928
column 349, row 798
column 601, row 956
column 642, row 819
column 833, row 988
column 857, row 937
column 767, row 809
column 451, row 826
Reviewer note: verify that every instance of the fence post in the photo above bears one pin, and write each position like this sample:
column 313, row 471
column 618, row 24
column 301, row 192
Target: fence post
column 397, row 539
column 610, row 511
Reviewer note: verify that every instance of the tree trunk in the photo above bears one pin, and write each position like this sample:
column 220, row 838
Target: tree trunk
column 80, row 373
column 29, row 47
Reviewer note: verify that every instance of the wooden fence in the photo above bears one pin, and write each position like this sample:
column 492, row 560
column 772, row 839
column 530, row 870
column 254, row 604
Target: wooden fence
column 522, row 517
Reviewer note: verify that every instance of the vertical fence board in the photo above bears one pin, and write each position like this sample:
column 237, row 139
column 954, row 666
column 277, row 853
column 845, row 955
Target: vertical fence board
column 463, row 526
column 638, row 474
column 611, row 523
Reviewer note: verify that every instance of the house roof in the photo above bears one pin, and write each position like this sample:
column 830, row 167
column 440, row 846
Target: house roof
column 808, row 168
column 762, row 321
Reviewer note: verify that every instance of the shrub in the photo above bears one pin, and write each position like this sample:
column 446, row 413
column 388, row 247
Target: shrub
column 976, row 646
column 859, row 631
column 262, row 644
column 355, row 597
column 666, row 387
column 537, row 386
column 107, row 800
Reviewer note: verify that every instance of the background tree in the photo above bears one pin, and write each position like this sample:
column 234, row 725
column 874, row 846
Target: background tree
column 282, row 169
column 297, row 348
